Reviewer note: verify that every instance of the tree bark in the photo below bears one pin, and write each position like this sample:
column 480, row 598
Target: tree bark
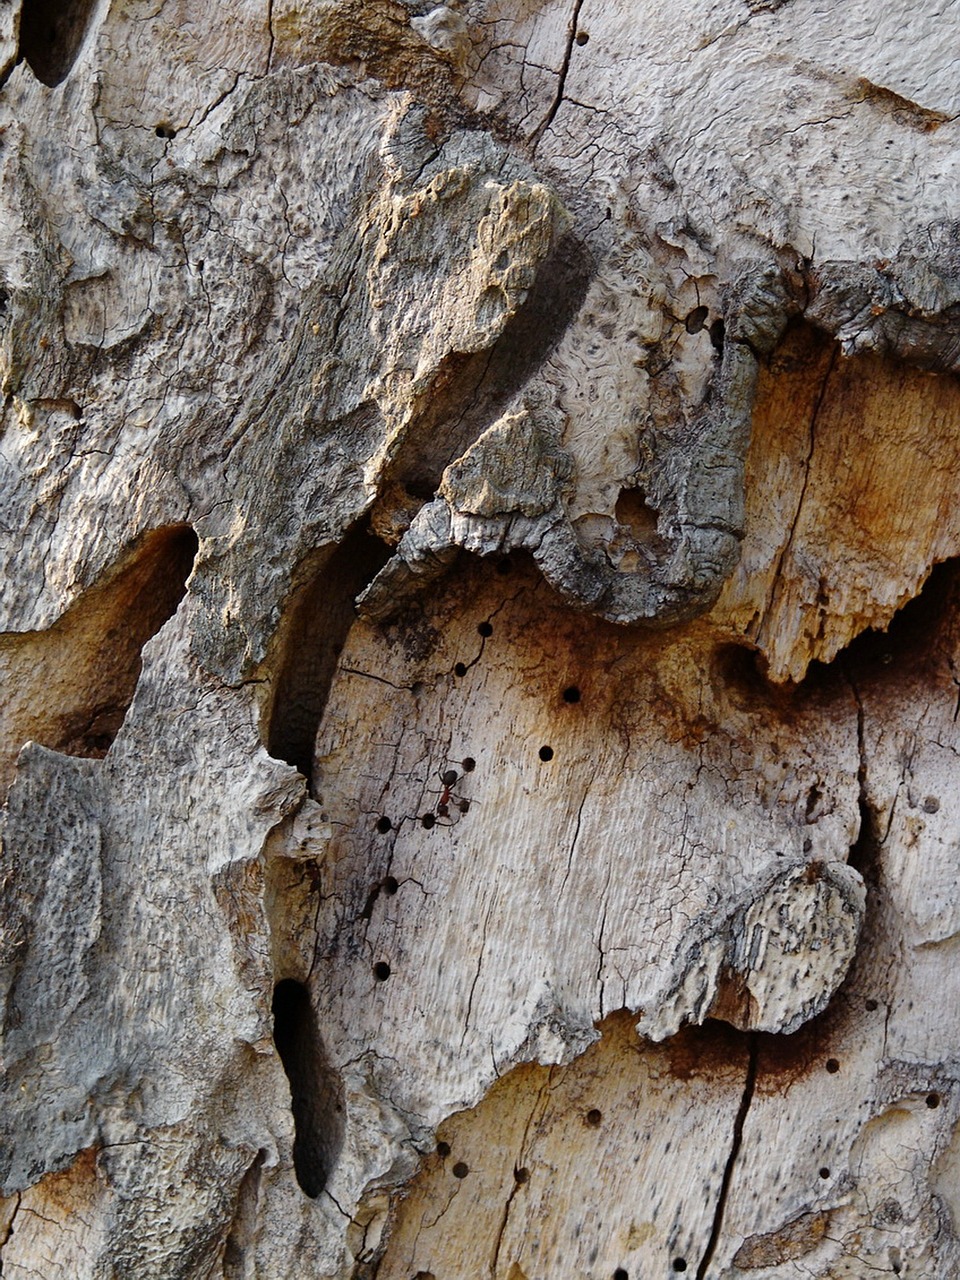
column 479, row 510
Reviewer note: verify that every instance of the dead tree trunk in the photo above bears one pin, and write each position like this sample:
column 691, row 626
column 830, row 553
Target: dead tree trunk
column 479, row 508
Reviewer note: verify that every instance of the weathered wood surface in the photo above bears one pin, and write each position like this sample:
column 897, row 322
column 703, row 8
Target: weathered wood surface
column 584, row 904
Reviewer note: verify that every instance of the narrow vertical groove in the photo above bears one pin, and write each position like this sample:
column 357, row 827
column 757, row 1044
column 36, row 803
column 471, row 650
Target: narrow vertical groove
column 746, row 1099
column 316, row 1091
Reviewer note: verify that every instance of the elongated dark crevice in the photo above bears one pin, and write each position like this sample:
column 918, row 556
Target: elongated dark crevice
column 474, row 390
column 70, row 687
column 313, row 638
column 316, row 1092
column 242, row 1233
column 736, row 1140
column 51, row 32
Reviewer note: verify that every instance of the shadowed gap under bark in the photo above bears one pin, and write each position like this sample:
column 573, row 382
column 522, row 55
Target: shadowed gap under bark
column 51, row 32
column 315, row 1091
column 318, row 625
column 69, row 687
column 476, row 389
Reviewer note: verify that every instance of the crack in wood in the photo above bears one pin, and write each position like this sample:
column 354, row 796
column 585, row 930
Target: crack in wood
column 808, row 462
column 564, row 69
column 736, row 1141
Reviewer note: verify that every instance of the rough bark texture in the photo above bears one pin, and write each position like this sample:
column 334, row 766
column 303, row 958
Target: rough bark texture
column 479, row 500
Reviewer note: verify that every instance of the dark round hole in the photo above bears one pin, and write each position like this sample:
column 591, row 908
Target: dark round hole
column 485, row 629
column 824, row 1172
column 428, row 820
column 679, row 1264
column 381, row 971
column 460, row 1170
column 459, row 669
column 450, row 777
column 443, row 1150
column 165, row 131
column 469, row 764
column 521, row 1175
column 696, row 320
column 832, row 1065
column 582, row 38
column 545, row 753
column 593, row 1117
column 933, row 1100
column 870, row 1005
column 390, row 885
column 571, row 694
column 621, row 1274
column 384, row 825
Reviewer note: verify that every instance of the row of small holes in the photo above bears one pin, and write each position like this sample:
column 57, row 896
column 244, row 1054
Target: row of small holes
column 383, row 824
column 429, row 820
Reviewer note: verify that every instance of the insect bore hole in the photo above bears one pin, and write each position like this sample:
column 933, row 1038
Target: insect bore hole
column 593, row 1118
column 485, row 629
column 443, row 1150
column 460, row 1170
column 460, row 669
column 391, row 885
column 521, row 1175
column 166, row 131
column 571, row 694
column 468, row 765
column 545, row 753
column 621, row 1274
column 824, row 1173
column 381, row 971
column 832, row 1065
column 933, row 1101
column 384, row 825
column 428, row 820
column 679, row 1264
